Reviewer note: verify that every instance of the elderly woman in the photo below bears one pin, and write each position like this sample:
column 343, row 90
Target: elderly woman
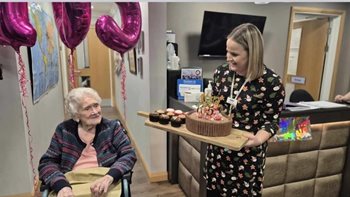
column 87, row 140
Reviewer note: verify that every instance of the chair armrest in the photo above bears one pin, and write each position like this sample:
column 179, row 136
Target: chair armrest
column 45, row 193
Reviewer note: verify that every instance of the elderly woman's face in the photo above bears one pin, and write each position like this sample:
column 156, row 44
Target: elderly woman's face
column 237, row 57
column 89, row 112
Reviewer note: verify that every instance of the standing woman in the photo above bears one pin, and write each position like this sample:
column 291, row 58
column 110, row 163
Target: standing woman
column 254, row 97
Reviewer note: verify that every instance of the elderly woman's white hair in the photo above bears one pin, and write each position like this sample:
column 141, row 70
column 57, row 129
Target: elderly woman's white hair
column 75, row 96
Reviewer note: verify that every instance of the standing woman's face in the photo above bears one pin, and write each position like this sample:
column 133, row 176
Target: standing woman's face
column 236, row 57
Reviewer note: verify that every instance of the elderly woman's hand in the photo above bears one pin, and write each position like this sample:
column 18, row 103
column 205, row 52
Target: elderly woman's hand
column 100, row 186
column 65, row 192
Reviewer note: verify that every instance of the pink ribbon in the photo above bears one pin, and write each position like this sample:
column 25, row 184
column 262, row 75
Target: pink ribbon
column 23, row 90
column 123, row 86
column 71, row 69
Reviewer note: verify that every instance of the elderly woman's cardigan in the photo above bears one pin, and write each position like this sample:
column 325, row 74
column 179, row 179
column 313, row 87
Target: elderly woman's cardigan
column 112, row 146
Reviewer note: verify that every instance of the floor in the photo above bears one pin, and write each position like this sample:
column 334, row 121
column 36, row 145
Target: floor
column 140, row 186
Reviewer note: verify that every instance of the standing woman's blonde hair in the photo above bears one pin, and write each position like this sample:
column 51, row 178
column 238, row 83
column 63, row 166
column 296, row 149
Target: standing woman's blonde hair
column 250, row 38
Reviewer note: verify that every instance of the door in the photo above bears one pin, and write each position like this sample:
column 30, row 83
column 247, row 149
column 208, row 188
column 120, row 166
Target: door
column 95, row 71
column 311, row 55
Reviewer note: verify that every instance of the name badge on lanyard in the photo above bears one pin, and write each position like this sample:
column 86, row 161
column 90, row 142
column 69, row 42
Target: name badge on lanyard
column 232, row 101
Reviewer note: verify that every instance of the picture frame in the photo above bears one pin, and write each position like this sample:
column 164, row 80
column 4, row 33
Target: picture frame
column 141, row 43
column 132, row 61
column 140, row 66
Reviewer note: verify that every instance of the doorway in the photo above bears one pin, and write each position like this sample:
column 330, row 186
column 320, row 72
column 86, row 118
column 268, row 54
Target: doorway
column 92, row 67
column 313, row 48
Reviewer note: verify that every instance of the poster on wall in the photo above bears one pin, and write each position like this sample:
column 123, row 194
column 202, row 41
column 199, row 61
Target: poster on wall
column 43, row 56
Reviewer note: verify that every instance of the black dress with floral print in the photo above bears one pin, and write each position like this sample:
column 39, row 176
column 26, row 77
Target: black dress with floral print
column 240, row 173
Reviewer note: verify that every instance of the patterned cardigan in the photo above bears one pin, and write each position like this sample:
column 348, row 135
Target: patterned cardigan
column 112, row 146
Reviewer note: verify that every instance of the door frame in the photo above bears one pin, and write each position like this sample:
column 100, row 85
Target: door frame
column 64, row 53
column 337, row 18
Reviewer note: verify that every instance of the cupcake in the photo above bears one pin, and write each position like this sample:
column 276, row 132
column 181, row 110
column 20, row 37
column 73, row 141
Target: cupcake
column 170, row 110
column 175, row 121
column 183, row 118
column 178, row 112
column 160, row 111
column 170, row 114
column 164, row 119
column 154, row 117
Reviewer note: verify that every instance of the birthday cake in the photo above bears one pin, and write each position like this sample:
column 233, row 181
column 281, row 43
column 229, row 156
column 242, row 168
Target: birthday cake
column 207, row 119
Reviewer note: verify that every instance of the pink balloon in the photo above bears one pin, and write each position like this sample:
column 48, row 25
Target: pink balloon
column 73, row 22
column 16, row 29
column 124, row 38
column 3, row 39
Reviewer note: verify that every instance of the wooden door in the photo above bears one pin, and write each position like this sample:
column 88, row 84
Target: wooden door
column 312, row 53
column 97, row 73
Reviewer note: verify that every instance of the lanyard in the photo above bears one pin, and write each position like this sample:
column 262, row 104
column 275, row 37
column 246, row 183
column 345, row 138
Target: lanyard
column 239, row 92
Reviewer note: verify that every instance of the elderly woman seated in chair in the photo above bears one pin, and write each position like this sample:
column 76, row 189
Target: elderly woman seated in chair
column 86, row 141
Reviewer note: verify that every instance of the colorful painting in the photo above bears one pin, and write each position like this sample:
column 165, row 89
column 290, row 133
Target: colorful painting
column 294, row 129
column 44, row 54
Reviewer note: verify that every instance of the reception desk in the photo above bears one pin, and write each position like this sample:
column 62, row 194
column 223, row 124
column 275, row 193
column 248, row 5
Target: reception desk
column 316, row 168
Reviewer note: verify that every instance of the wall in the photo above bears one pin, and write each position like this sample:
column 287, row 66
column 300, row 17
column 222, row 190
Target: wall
column 149, row 93
column 15, row 169
column 343, row 77
column 185, row 19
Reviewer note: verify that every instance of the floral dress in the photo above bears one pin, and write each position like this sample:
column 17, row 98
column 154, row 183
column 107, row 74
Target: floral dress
column 240, row 173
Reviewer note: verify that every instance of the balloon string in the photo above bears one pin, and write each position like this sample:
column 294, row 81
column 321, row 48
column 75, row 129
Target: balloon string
column 123, row 89
column 23, row 90
column 30, row 141
column 22, row 76
column 71, row 69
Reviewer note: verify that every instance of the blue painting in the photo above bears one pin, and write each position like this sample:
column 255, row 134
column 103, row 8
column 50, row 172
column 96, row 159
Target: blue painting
column 44, row 54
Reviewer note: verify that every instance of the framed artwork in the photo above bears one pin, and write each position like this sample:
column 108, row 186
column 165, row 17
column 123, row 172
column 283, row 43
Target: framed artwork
column 141, row 43
column 140, row 66
column 132, row 61
column 44, row 55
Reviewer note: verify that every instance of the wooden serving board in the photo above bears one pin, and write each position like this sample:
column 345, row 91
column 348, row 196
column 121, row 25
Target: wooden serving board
column 234, row 141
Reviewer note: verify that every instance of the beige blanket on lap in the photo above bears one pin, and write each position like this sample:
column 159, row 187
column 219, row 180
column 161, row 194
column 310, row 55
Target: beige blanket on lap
column 81, row 180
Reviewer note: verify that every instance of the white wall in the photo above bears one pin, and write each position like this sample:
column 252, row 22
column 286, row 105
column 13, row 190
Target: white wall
column 185, row 19
column 15, row 169
column 149, row 93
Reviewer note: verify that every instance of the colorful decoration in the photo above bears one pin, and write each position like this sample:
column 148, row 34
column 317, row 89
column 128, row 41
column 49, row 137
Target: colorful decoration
column 73, row 23
column 294, row 129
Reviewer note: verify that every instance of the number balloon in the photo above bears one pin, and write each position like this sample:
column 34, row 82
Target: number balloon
column 73, row 21
column 14, row 24
column 124, row 38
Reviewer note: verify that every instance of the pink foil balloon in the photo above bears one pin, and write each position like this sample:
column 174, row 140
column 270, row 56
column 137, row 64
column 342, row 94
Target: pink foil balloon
column 15, row 27
column 122, row 38
column 73, row 21
column 3, row 39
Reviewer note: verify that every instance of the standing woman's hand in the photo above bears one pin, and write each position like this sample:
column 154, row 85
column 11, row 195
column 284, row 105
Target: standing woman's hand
column 253, row 140
column 100, row 186
column 65, row 192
